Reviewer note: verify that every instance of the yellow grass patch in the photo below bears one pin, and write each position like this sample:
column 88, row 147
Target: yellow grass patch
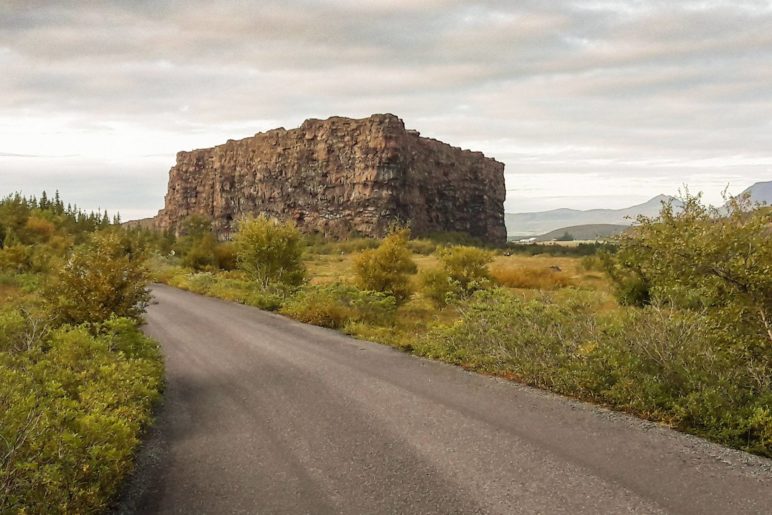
column 515, row 276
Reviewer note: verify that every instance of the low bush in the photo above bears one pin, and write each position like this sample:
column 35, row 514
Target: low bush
column 463, row 270
column 387, row 268
column 673, row 365
column 206, row 254
column 234, row 286
column 201, row 253
column 200, row 282
column 467, row 266
column 225, row 256
column 662, row 363
column 437, row 285
column 319, row 305
column 16, row 258
column 103, row 278
column 529, row 340
column 336, row 305
column 38, row 229
column 270, row 251
column 71, row 410
column 164, row 269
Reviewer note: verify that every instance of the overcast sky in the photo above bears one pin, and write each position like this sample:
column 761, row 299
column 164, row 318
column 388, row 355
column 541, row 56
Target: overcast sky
column 588, row 103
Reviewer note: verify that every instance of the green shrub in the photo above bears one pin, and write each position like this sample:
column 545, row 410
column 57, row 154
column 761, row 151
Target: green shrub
column 702, row 259
column 337, row 304
column 201, row 254
column 225, row 256
column 164, row 268
column 269, row 300
column 270, row 251
column 437, row 285
column 665, row 364
column 70, row 417
column 320, row 306
column 200, row 282
column 467, row 266
column 16, row 258
column 207, row 253
column 234, row 286
column 38, row 229
column 101, row 279
column 12, row 329
column 387, row 268
column 673, row 365
column 463, row 270
column 531, row 340
column 23, row 329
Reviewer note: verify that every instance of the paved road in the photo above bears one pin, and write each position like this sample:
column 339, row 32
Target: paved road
column 266, row 415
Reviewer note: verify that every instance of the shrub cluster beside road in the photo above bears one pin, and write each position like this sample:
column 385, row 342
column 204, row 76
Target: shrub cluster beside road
column 77, row 377
column 670, row 322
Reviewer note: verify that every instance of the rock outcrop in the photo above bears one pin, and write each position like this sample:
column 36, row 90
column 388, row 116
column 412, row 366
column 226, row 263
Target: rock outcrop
column 341, row 177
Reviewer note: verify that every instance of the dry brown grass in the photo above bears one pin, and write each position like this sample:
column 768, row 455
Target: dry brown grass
column 571, row 270
column 517, row 271
column 532, row 278
column 8, row 291
column 331, row 268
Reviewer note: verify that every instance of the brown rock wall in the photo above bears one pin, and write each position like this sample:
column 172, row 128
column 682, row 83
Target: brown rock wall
column 341, row 177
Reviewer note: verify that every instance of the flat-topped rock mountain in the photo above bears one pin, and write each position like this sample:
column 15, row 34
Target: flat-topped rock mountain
column 341, row 177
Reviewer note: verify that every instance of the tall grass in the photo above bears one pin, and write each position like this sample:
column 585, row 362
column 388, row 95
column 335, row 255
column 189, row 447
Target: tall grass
column 515, row 276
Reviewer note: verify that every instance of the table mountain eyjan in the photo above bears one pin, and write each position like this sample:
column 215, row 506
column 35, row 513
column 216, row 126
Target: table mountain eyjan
column 341, row 177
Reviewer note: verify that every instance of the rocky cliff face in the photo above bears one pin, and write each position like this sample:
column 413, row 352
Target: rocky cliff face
column 341, row 177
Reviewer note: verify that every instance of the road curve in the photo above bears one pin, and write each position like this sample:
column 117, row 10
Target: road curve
column 267, row 415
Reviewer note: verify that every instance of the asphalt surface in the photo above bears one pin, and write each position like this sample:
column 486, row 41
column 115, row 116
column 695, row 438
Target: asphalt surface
column 267, row 415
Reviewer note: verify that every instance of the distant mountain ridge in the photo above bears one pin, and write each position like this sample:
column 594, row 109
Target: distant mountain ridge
column 760, row 192
column 585, row 232
column 541, row 222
